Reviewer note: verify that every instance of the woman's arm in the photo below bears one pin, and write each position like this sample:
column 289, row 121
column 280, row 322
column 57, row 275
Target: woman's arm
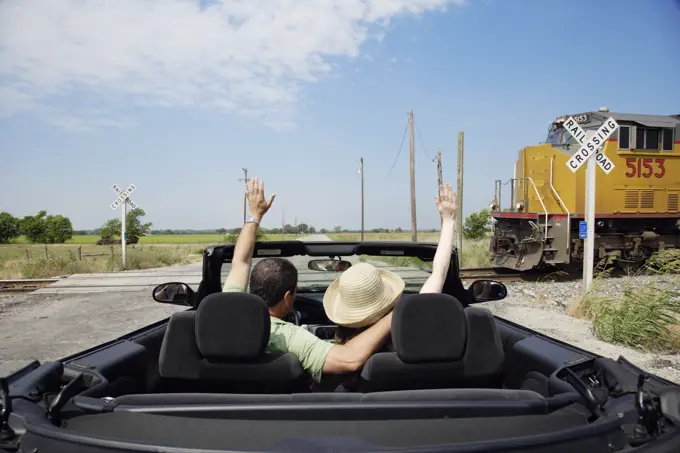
column 447, row 206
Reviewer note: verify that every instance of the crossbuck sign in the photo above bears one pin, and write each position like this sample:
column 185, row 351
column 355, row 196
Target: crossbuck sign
column 123, row 196
column 590, row 146
column 123, row 199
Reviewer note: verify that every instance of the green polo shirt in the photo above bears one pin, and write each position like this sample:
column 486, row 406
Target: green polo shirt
column 284, row 337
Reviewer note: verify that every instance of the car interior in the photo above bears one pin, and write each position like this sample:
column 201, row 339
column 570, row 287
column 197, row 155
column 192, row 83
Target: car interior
column 457, row 375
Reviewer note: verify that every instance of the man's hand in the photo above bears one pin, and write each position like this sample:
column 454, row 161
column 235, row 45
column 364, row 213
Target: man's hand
column 257, row 202
column 447, row 202
column 245, row 244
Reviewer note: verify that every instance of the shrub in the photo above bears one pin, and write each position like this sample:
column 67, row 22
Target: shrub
column 643, row 318
column 477, row 225
column 232, row 238
column 664, row 262
column 9, row 227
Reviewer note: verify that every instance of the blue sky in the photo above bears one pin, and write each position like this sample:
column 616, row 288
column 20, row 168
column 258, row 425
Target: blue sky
column 177, row 98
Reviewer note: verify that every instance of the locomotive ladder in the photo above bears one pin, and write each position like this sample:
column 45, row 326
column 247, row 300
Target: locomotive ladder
column 561, row 202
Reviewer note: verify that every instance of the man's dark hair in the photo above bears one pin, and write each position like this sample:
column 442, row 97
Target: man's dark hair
column 271, row 278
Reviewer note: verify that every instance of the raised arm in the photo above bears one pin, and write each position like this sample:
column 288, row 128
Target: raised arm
column 447, row 205
column 245, row 244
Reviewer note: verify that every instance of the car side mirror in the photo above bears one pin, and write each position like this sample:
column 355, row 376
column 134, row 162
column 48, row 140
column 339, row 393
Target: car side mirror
column 174, row 293
column 487, row 290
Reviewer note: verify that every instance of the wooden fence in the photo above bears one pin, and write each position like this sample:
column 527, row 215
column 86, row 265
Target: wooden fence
column 79, row 252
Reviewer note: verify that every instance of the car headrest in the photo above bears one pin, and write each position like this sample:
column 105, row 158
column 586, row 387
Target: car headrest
column 429, row 328
column 232, row 326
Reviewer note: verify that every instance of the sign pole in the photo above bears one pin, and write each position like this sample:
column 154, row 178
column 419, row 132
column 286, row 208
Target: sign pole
column 591, row 144
column 589, row 246
column 123, row 233
column 123, row 199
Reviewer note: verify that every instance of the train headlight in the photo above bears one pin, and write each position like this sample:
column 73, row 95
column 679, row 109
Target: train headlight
column 519, row 206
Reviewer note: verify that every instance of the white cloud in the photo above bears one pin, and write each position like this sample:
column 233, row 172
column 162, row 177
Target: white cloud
column 393, row 59
column 246, row 57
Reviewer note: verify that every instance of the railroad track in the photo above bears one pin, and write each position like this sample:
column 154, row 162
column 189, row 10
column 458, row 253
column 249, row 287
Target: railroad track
column 13, row 287
column 490, row 273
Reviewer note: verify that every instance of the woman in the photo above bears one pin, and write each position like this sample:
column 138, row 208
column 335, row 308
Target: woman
column 364, row 293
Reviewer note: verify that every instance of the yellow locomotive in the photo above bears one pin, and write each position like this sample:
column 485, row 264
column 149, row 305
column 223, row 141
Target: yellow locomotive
column 636, row 203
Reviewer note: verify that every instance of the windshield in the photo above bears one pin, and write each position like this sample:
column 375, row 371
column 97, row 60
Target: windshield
column 560, row 136
column 412, row 270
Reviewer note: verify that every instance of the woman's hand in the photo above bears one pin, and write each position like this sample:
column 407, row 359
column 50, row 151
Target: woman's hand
column 447, row 202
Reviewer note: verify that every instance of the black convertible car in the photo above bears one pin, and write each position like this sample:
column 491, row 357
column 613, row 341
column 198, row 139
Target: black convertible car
column 460, row 379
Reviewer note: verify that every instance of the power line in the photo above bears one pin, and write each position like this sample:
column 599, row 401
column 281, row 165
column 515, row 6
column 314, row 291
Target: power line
column 423, row 144
column 398, row 153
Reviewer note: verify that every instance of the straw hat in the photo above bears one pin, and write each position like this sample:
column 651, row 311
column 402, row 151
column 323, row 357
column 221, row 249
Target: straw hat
column 362, row 295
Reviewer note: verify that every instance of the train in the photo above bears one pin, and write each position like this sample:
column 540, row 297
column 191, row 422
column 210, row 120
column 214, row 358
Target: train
column 636, row 204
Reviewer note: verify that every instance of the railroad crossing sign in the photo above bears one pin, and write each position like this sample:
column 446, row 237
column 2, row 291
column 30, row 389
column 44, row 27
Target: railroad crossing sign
column 123, row 199
column 591, row 144
column 123, row 196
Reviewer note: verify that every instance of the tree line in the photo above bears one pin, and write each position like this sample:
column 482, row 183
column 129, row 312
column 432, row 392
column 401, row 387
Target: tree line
column 57, row 229
column 38, row 229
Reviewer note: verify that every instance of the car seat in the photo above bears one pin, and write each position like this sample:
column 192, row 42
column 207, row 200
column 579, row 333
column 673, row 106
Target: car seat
column 438, row 345
column 220, row 348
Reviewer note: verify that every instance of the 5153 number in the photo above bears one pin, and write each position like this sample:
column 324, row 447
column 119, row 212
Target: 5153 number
column 642, row 167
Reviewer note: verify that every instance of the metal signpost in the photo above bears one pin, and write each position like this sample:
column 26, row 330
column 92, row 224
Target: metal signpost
column 123, row 199
column 592, row 144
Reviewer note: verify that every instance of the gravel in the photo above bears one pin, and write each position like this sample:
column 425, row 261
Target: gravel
column 48, row 327
column 51, row 326
column 543, row 307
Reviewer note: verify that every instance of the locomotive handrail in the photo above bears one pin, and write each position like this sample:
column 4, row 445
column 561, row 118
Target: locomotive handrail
column 563, row 204
column 545, row 211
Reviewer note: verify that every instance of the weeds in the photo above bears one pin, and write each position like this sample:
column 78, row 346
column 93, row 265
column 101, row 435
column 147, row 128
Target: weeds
column 664, row 262
column 475, row 254
column 646, row 318
column 643, row 318
column 68, row 262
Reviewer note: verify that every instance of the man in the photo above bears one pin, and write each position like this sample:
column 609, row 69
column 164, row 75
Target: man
column 275, row 280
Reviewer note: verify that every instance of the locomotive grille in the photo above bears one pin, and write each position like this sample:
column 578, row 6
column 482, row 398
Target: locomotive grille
column 673, row 202
column 646, row 199
column 631, row 199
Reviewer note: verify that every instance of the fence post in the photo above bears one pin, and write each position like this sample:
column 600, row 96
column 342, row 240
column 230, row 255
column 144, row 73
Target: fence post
column 28, row 257
column 80, row 253
column 111, row 250
column 46, row 257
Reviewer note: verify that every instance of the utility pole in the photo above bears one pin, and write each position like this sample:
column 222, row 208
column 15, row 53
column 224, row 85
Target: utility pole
column 414, row 227
column 245, row 197
column 459, row 196
column 439, row 174
column 361, row 174
column 439, row 168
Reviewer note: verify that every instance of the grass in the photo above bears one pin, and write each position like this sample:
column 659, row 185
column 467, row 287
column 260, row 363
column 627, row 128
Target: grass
column 203, row 239
column 165, row 250
column 645, row 318
column 475, row 254
column 63, row 260
column 403, row 236
column 24, row 260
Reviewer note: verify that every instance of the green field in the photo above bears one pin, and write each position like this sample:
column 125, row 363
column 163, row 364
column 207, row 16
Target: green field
column 403, row 236
column 203, row 239
column 81, row 254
